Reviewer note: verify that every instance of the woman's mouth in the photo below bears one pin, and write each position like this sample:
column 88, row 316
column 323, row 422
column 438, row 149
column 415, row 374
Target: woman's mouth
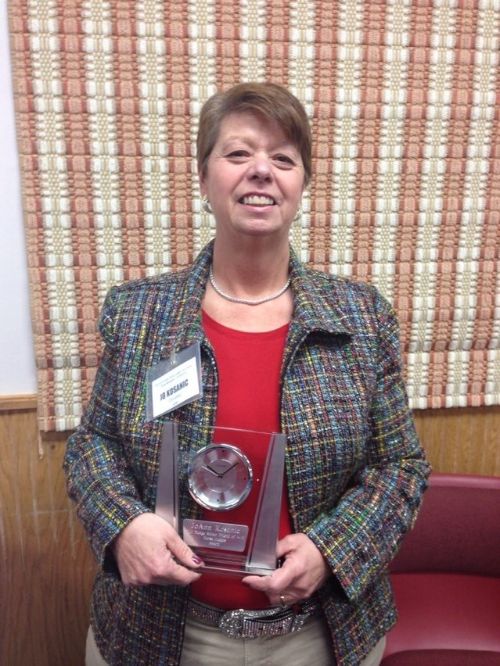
column 257, row 200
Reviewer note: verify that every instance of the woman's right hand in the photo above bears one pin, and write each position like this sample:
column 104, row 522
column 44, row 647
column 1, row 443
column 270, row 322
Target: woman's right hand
column 149, row 551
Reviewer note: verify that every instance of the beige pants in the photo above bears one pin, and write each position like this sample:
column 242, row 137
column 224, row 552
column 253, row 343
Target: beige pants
column 310, row 646
column 92, row 654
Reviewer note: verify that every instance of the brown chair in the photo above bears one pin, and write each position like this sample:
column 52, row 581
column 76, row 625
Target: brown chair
column 446, row 578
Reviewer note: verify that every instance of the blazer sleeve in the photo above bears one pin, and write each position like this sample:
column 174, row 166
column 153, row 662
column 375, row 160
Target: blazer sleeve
column 364, row 531
column 98, row 478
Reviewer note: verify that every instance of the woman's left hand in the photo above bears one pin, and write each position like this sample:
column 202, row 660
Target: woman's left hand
column 304, row 570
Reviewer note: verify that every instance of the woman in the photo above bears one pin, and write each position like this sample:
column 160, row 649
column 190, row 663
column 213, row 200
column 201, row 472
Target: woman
column 283, row 348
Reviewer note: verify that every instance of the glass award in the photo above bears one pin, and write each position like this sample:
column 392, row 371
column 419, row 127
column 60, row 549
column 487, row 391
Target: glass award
column 233, row 480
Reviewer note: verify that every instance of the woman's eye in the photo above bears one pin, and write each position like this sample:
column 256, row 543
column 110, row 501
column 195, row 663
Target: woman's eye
column 237, row 153
column 284, row 159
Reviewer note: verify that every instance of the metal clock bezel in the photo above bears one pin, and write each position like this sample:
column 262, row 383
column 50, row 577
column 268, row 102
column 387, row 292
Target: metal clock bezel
column 199, row 471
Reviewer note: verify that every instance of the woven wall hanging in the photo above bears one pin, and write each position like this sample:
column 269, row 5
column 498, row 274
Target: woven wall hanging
column 403, row 99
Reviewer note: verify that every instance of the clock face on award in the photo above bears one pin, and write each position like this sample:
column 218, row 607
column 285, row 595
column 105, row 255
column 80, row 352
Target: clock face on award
column 220, row 477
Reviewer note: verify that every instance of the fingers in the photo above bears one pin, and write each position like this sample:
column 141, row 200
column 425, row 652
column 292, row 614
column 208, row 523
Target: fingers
column 304, row 570
column 149, row 551
column 171, row 572
column 287, row 545
column 278, row 589
column 279, row 583
column 182, row 552
column 165, row 569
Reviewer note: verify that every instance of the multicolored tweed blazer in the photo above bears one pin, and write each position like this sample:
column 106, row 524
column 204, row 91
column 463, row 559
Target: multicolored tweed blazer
column 355, row 469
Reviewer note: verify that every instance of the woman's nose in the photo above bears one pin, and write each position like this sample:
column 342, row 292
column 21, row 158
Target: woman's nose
column 261, row 168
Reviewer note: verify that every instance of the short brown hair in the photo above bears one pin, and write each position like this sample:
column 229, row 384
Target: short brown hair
column 268, row 99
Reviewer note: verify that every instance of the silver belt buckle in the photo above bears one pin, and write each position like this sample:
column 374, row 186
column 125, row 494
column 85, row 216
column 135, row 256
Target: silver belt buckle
column 232, row 623
column 240, row 623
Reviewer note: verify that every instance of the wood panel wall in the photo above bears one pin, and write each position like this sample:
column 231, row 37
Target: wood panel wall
column 46, row 568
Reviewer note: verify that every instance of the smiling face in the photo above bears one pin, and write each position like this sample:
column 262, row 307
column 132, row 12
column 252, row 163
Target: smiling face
column 254, row 177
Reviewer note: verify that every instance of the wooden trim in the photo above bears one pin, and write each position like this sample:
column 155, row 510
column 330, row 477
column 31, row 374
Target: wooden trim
column 10, row 403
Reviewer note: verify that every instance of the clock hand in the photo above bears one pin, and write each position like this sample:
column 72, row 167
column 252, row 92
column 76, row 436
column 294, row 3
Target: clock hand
column 210, row 469
column 228, row 469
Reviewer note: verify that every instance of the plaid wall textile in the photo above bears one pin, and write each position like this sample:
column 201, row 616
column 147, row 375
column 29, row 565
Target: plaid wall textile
column 403, row 98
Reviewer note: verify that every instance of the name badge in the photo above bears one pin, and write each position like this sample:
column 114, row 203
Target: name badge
column 174, row 382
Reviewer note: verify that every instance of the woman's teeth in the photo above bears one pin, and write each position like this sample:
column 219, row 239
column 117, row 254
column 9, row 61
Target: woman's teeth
column 255, row 200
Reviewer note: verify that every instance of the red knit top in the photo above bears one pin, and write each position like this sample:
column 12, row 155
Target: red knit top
column 249, row 367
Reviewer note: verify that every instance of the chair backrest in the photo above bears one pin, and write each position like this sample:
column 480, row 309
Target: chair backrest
column 457, row 529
